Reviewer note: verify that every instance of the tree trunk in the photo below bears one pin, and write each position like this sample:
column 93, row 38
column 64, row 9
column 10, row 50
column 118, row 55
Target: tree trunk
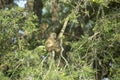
column 37, row 8
column 3, row 4
column 55, row 14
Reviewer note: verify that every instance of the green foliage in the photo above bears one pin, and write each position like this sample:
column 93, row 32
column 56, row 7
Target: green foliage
column 109, row 29
column 16, row 24
column 102, row 47
column 12, row 22
column 23, row 55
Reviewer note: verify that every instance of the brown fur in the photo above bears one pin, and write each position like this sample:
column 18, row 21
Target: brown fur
column 52, row 44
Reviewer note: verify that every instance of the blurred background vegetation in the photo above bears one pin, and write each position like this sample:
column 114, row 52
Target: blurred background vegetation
column 91, row 39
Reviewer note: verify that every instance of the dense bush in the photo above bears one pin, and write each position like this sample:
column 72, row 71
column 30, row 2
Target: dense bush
column 23, row 55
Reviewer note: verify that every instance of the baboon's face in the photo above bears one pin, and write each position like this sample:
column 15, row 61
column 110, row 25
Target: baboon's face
column 53, row 35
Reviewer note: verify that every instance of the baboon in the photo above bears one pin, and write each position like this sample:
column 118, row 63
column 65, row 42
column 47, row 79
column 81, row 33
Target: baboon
column 52, row 44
